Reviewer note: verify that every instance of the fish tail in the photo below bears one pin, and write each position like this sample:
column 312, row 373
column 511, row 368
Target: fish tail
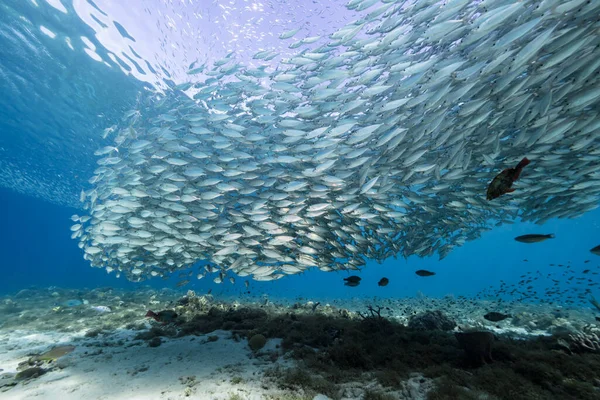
column 594, row 302
column 525, row 161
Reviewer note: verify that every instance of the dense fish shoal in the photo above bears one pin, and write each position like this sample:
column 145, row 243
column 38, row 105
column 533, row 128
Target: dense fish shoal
column 379, row 143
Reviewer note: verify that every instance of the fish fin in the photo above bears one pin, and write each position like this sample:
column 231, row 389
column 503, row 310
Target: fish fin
column 510, row 190
column 525, row 161
column 517, row 171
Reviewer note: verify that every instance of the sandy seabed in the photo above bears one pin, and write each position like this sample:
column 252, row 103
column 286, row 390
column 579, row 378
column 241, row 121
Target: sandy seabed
column 119, row 367
column 368, row 349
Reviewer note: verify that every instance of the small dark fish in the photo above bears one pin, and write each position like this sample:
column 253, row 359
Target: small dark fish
column 596, row 250
column 423, row 272
column 164, row 316
column 502, row 183
column 182, row 283
column 495, row 316
column 383, row 282
column 594, row 302
column 534, row 238
column 352, row 280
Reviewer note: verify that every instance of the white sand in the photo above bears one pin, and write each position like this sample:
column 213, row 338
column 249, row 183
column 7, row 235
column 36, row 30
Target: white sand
column 115, row 371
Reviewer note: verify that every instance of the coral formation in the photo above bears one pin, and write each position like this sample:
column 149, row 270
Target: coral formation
column 343, row 353
column 477, row 345
column 581, row 342
column 431, row 320
column 257, row 342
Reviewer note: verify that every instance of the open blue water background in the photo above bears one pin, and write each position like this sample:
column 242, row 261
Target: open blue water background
column 55, row 102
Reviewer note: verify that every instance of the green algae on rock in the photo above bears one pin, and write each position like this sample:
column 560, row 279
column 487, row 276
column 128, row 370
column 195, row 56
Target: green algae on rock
column 257, row 342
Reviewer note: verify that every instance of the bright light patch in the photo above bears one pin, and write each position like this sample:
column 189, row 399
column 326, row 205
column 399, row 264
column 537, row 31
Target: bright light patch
column 88, row 43
column 93, row 55
column 68, row 40
column 47, row 32
column 112, row 57
column 57, row 4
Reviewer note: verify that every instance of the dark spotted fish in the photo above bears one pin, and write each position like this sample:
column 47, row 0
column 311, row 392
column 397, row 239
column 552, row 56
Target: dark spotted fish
column 383, row 282
column 496, row 316
column 423, row 272
column 352, row 280
column 533, row 238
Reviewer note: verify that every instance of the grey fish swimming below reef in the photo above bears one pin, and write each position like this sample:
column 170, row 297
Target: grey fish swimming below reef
column 496, row 316
column 533, row 238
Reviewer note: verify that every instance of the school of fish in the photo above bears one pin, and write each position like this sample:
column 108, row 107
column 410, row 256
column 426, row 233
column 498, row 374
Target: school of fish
column 380, row 142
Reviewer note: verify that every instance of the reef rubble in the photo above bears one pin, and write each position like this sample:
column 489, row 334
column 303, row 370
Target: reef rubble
column 256, row 348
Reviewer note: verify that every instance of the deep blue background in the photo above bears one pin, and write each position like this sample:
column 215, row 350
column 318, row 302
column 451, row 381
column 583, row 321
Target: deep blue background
column 36, row 249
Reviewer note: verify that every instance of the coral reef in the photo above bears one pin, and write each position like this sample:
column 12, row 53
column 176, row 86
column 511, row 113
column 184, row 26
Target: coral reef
column 373, row 352
column 431, row 320
column 477, row 345
column 257, row 342
column 584, row 341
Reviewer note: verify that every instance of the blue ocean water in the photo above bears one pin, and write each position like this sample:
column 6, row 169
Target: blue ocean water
column 56, row 101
